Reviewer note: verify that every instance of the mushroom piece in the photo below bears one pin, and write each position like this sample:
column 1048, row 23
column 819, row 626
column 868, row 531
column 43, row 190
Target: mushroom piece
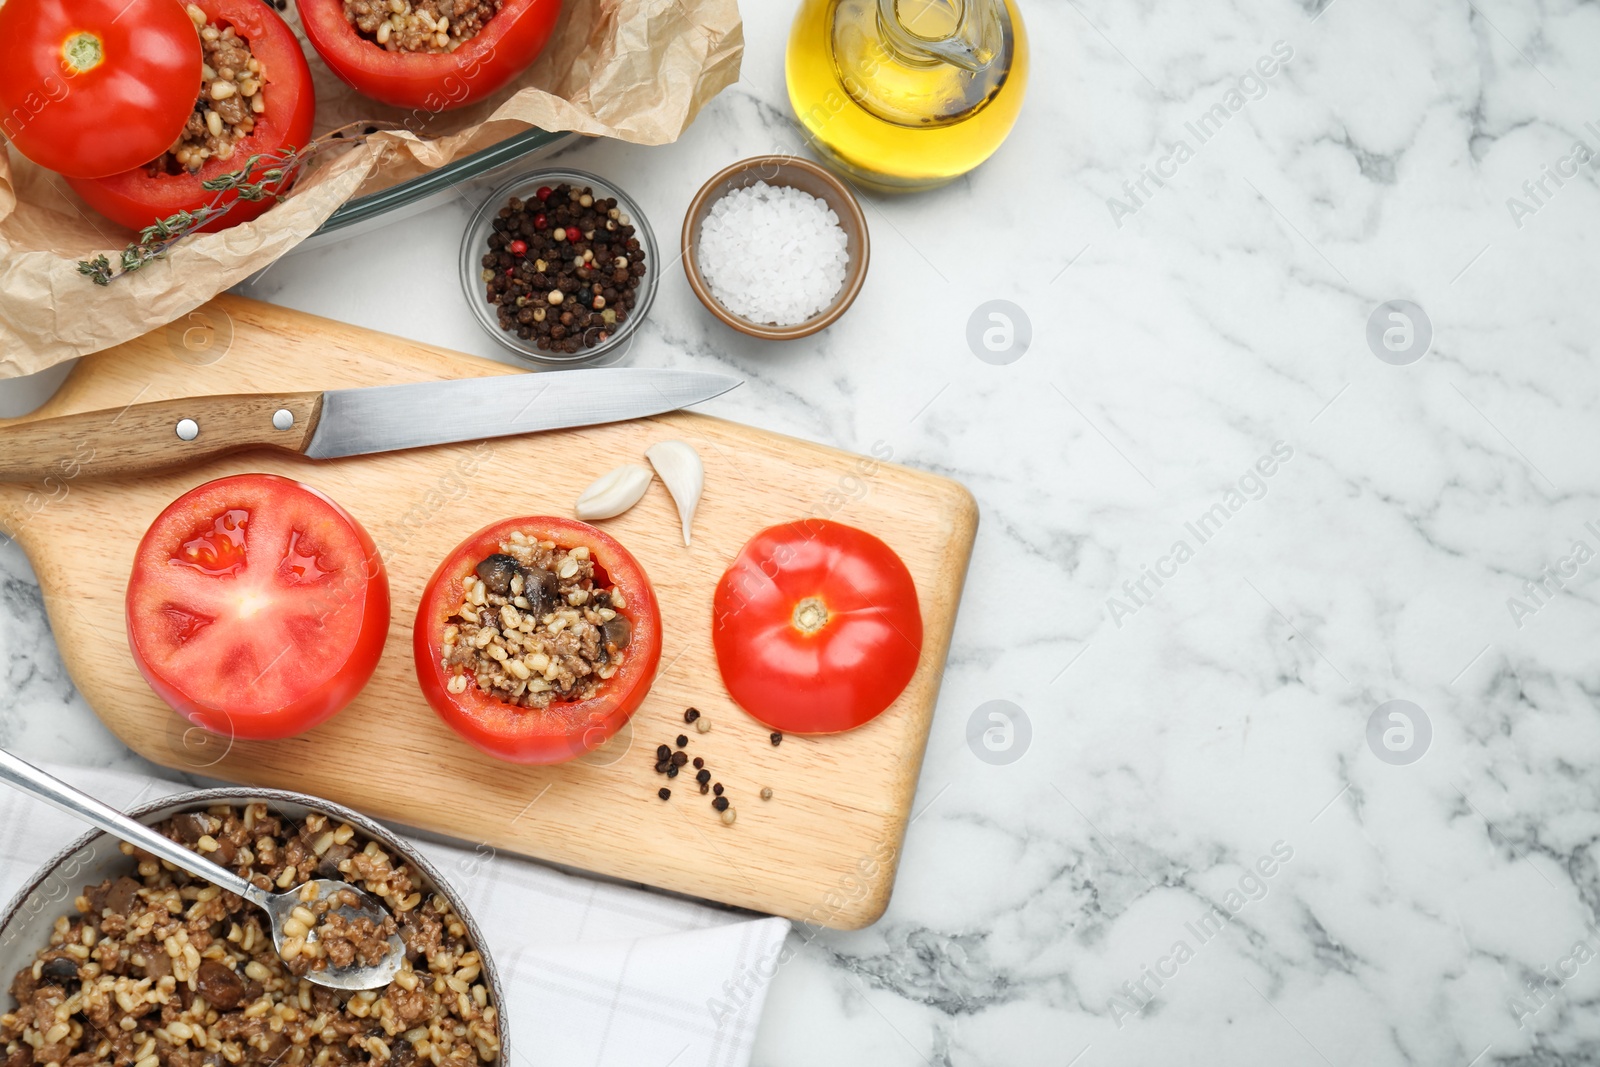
column 617, row 631
column 191, row 826
column 222, row 988
column 59, row 971
column 542, row 588
column 496, row 572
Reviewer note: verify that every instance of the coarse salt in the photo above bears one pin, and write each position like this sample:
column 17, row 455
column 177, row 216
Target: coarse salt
column 773, row 254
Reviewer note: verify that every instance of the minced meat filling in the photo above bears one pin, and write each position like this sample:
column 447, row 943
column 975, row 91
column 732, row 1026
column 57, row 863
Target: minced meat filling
column 534, row 627
column 420, row 25
column 160, row 969
column 231, row 96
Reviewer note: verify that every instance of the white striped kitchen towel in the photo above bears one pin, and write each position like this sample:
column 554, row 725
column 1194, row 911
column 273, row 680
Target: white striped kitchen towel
column 595, row 973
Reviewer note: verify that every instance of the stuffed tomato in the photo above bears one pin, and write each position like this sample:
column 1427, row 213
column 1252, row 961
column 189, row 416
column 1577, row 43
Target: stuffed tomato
column 537, row 638
column 429, row 55
column 254, row 98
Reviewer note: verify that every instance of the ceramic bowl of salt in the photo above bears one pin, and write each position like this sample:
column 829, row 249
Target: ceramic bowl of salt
column 776, row 247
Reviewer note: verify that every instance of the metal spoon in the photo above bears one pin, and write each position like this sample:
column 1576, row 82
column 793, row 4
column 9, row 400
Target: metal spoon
column 278, row 906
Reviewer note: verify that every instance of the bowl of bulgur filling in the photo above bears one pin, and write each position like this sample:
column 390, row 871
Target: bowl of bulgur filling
column 119, row 959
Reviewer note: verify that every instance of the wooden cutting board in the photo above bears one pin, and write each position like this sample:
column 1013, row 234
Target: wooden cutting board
column 823, row 850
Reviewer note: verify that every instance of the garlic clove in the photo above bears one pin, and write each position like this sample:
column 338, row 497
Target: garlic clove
column 684, row 475
column 614, row 492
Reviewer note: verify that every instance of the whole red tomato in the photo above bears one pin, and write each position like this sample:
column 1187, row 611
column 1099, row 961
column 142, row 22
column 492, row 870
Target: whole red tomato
column 135, row 198
column 563, row 730
column 431, row 82
column 93, row 87
column 257, row 606
column 816, row 626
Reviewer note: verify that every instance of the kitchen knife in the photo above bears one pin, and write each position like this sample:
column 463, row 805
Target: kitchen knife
column 342, row 422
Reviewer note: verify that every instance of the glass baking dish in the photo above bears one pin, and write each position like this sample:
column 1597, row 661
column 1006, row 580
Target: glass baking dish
column 417, row 194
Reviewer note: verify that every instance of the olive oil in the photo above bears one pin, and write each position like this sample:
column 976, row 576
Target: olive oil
column 907, row 94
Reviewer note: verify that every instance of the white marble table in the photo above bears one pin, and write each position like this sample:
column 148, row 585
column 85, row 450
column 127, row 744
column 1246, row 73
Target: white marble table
column 1188, row 727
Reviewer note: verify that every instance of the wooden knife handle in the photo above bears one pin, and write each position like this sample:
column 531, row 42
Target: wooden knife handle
column 141, row 438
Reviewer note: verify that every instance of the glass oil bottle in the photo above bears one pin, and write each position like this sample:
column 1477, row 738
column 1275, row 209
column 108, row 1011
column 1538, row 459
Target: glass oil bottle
column 907, row 94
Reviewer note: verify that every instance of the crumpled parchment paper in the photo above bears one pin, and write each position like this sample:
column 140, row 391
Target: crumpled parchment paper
column 638, row 70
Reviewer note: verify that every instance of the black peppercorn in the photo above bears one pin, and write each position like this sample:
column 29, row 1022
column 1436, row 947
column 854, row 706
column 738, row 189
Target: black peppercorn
column 663, row 792
column 672, row 770
column 698, row 763
column 703, row 777
column 717, row 789
column 691, row 715
column 662, row 765
column 683, row 739
column 721, row 803
column 680, row 758
column 777, row 738
column 663, row 752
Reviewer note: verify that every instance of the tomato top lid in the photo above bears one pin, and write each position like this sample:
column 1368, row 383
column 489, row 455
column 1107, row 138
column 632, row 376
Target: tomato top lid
column 93, row 88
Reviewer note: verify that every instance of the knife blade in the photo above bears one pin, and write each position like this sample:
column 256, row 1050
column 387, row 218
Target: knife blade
column 163, row 434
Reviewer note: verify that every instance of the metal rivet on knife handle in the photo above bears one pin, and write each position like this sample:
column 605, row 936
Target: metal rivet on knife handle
column 282, row 419
column 188, row 429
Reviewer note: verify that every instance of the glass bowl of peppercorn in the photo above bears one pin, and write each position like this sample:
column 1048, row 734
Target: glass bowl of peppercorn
column 560, row 267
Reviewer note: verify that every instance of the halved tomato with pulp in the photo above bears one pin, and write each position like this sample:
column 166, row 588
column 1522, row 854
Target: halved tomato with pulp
column 258, row 607
column 565, row 728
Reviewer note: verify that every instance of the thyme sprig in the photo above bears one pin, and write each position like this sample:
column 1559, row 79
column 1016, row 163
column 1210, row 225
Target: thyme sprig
column 263, row 175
